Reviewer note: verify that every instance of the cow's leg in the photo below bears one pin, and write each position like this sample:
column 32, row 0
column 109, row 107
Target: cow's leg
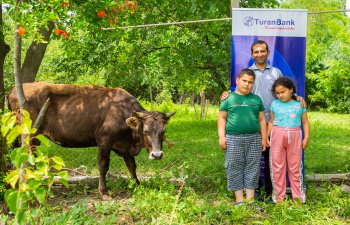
column 103, row 163
column 131, row 164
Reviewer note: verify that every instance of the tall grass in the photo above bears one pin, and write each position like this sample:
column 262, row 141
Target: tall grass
column 199, row 196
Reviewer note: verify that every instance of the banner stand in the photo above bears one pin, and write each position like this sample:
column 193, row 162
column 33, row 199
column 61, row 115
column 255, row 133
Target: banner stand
column 285, row 32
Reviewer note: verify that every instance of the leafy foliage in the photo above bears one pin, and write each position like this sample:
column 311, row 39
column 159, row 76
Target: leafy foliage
column 33, row 175
column 91, row 44
column 328, row 41
column 147, row 61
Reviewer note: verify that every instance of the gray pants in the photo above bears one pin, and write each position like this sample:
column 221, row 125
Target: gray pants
column 242, row 161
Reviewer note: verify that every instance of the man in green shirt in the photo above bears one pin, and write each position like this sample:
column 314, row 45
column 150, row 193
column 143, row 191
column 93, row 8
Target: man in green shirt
column 242, row 134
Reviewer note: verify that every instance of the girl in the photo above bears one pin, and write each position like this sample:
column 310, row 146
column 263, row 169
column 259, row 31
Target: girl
column 286, row 116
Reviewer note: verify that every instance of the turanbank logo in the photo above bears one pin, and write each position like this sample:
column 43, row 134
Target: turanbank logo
column 248, row 21
column 274, row 24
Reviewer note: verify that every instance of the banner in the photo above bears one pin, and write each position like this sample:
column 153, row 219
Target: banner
column 284, row 30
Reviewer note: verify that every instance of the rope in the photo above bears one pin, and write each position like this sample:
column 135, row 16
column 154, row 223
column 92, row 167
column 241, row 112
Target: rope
column 204, row 21
column 170, row 24
column 330, row 11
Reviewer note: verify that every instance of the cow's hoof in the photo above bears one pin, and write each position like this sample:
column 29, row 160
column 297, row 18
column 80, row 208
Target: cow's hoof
column 104, row 194
column 106, row 198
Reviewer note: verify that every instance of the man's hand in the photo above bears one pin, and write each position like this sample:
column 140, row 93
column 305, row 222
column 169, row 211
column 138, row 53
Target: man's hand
column 299, row 98
column 268, row 143
column 263, row 145
column 224, row 95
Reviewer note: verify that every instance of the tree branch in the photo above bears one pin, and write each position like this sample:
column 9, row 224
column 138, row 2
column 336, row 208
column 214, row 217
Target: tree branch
column 35, row 54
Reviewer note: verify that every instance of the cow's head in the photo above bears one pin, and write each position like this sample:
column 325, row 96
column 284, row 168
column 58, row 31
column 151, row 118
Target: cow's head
column 151, row 128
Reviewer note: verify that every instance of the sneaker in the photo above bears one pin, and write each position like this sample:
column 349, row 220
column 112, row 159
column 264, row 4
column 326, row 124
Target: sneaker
column 269, row 200
column 256, row 195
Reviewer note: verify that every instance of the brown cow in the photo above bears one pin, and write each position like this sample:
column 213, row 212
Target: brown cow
column 86, row 116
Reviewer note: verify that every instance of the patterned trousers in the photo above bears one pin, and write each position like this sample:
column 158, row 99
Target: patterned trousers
column 242, row 161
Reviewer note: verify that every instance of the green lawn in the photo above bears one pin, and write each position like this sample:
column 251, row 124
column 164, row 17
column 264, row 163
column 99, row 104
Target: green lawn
column 329, row 149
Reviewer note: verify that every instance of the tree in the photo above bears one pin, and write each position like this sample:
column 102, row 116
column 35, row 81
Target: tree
column 327, row 54
column 137, row 58
column 180, row 60
column 4, row 50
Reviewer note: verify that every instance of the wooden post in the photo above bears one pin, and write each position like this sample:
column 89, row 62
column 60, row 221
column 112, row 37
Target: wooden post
column 203, row 103
column 234, row 3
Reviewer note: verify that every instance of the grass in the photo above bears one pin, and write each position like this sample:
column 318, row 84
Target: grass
column 199, row 196
column 329, row 150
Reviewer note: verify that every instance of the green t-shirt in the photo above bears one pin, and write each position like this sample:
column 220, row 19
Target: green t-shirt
column 242, row 113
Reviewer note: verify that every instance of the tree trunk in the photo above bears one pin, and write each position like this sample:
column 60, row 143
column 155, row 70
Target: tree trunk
column 202, row 94
column 4, row 49
column 151, row 93
column 19, row 90
column 342, row 178
column 35, row 55
column 234, row 3
column 18, row 72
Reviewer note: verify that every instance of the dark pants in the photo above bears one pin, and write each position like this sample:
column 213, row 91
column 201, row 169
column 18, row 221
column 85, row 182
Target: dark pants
column 265, row 178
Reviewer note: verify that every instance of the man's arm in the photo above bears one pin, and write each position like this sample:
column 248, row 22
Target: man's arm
column 302, row 101
column 269, row 128
column 263, row 129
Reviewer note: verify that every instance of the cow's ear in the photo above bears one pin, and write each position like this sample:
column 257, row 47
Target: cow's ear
column 133, row 122
column 140, row 115
column 168, row 115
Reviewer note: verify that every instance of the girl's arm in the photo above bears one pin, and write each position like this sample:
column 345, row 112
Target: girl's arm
column 262, row 122
column 306, row 128
column 222, row 129
column 269, row 128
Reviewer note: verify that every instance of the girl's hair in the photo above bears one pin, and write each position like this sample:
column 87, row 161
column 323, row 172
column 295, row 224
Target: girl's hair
column 285, row 82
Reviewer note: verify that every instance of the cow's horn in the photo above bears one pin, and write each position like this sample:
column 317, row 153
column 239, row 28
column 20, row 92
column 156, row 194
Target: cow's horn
column 140, row 115
column 168, row 115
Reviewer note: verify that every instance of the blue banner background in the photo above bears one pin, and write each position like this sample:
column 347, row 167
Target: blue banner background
column 286, row 53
